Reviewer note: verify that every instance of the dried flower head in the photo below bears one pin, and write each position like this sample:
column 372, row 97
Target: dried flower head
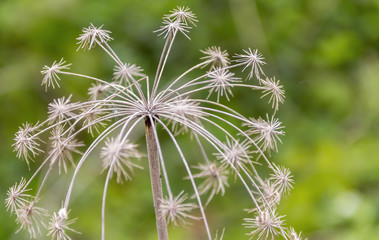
column 217, row 57
column 253, row 60
column 182, row 14
column 215, row 179
column 236, row 153
column 127, row 71
column 133, row 99
column 62, row 148
column 59, row 225
column 266, row 225
column 61, row 109
column 221, row 81
column 31, row 218
column 282, row 179
column 118, row 154
column 51, row 76
column 17, row 196
column 26, row 142
column 92, row 36
column 272, row 88
column 172, row 27
column 267, row 132
column 175, row 210
column 98, row 91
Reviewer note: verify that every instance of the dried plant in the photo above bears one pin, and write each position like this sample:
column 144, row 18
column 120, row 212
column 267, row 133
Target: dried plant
column 185, row 105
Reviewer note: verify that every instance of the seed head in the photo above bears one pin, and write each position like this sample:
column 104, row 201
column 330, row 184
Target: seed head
column 31, row 218
column 26, row 142
column 98, row 91
column 51, row 76
column 221, row 82
column 17, row 196
column 252, row 59
column 215, row 179
column 282, row 179
column 216, row 56
column 126, row 72
column 272, row 88
column 267, row 132
column 175, row 210
column 267, row 225
column 118, row 154
column 182, row 14
column 62, row 148
column 171, row 27
column 59, row 225
column 61, row 109
column 91, row 36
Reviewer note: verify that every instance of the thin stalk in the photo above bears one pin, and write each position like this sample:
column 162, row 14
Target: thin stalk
column 156, row 182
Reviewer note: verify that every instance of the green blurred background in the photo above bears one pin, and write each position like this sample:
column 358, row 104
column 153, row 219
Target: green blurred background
column 325, row 53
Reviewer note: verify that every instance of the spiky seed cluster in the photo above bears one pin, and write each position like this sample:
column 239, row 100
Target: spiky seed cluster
column 126, row 72
column 31, row 218
column 215, row 179
column 266, row 132
column 98, row 91
column 275, row 91
column 26, row 143
column 221, row 82
column 59, row 225
column 62, row 148
column 61, row 109
column 125, row 104
column 92, row 36
column 175, row 210
column 252, row 59
column 216, row 57
column 51, row 77
column 17, row 196
column 118, row 154
column 236, row 154
column 267, row 225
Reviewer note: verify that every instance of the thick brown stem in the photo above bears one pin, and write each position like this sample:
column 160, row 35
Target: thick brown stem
column 156, row 182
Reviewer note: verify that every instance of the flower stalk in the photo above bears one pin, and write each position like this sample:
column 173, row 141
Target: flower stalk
column 156, row 182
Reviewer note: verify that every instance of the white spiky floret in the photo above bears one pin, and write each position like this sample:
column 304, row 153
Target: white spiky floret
column 118, row 154
column 17, row 196
column 92, row 35
column 59, row 225
column 61, row 109
column 62, row 148
column 26, row 142
column 175, row 210
column 182, row 14
column 126, row 72
column 221, row 81
column 51, row 77
column 266, row 225
column 216, row 56
column 235, row 153
column 252, row 59
column 215, row 179
column 272, row 88
column 98, row 91
column 31, row 218
column 282, row 179
column 267, row 132
column 171, row 27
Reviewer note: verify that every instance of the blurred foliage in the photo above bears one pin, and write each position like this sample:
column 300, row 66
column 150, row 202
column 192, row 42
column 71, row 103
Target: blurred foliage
column 324, row 52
